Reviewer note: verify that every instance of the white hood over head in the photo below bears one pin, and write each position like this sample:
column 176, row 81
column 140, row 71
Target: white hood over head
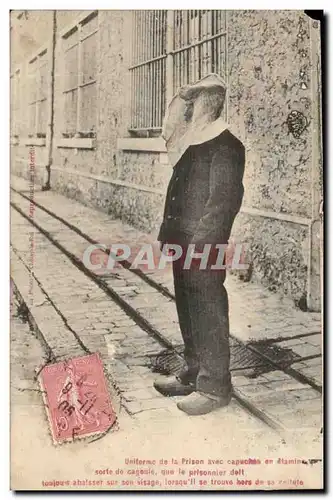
column 194, row 116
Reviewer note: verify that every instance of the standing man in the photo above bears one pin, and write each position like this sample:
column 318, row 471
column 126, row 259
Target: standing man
column 204, row 195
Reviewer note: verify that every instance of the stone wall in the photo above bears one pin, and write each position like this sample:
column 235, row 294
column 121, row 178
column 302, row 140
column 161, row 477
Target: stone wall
column 269, row 78
column 30, row 31
column 270, row 67
column 76, row 169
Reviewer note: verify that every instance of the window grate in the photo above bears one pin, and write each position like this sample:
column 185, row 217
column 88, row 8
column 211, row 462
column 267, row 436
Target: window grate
column 148, row 69
column 37, row 96
column 80, row 45
column 171, row 49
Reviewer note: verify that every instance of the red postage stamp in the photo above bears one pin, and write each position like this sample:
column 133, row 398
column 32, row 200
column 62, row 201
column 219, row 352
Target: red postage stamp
column 77, row 398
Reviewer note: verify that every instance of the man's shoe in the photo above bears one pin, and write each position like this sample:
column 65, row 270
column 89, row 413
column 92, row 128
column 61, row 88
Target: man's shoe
column 199, row 403
column 172, row 386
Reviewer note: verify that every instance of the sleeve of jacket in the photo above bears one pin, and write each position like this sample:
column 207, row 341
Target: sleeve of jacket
column 225, row 193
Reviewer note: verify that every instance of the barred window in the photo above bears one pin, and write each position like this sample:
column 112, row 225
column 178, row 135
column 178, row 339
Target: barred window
column 80, row 61
column 15, row 103
column 37, row 98
column 171, row 49
column 149, row 68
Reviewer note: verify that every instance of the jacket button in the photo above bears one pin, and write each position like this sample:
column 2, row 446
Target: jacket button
column 176, row 179
column 173, row 198
column 169, row 217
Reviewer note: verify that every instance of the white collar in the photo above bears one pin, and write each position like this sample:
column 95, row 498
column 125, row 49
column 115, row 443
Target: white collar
column 192, row 138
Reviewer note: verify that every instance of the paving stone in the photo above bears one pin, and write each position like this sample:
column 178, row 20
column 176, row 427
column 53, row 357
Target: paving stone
column 312, row 371
column 118, row 367
column 305, row 394
column 279, row 402
column 315, row 362
column 113, row 337
column 297, row 420
column 156, row 415
column 96, row 331
column 305, row 349
column 132, row 406
column 299, row 365
column 288, row 344
column 142, row 346
column 260, row 379
column 155, row 403
column 316, row 340
column 285, row 385
column 276, row 375
column 142, row 370
column 139, row 361
column 252, row 390
column 129, row 331
column 138, row 394
column 240, row 380
column 123, row 322
column 137, row 383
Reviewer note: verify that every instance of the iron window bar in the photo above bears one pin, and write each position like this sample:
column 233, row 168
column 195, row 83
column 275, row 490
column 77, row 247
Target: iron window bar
column 81, row 84
column 186, row 45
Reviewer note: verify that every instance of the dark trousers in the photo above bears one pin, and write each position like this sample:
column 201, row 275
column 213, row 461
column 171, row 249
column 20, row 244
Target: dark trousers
column 203, row 312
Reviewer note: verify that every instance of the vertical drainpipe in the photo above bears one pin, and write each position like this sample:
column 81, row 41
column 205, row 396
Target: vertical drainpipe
column 314, row 290
column 47, row 184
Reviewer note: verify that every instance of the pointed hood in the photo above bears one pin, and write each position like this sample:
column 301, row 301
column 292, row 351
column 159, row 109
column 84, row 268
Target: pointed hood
column 194, row 116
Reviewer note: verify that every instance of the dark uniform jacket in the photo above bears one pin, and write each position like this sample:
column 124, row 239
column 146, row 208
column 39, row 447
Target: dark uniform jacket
column 205, row 192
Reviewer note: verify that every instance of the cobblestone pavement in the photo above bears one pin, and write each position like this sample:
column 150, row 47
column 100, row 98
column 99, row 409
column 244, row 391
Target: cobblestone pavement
column 75, row 316
column 26, row 353
column 30, row 435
